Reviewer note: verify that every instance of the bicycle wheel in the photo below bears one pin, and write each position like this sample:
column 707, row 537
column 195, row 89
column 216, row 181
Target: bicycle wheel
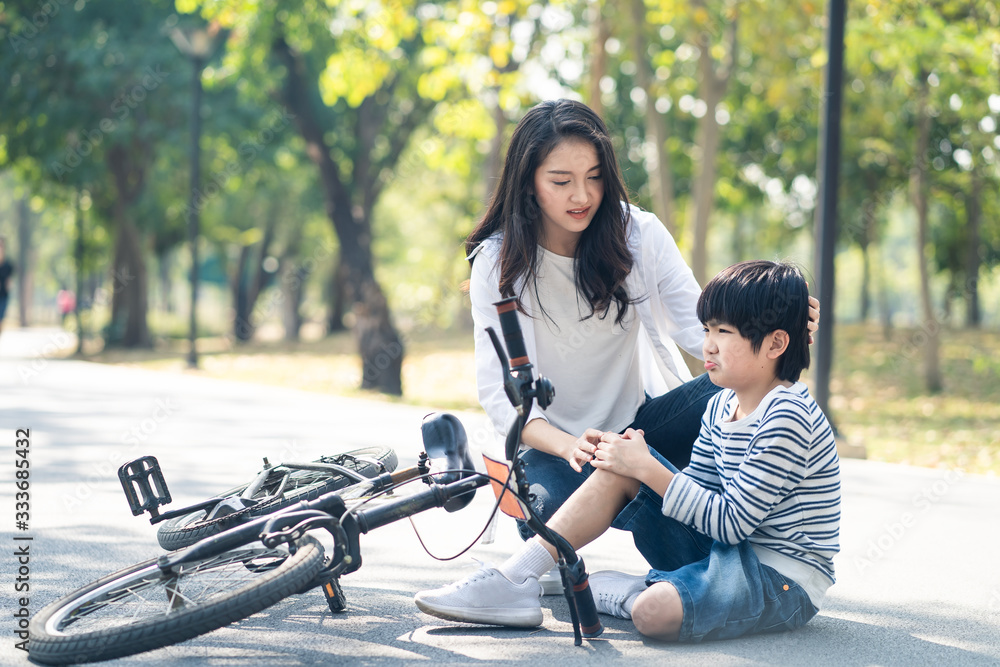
column 142, row 608
column 369, row 462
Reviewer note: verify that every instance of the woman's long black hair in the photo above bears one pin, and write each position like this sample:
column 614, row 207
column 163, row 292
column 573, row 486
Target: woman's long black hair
column 603, row 260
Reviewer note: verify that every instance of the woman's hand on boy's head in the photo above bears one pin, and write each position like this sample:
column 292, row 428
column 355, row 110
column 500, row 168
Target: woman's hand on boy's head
column 813, row 323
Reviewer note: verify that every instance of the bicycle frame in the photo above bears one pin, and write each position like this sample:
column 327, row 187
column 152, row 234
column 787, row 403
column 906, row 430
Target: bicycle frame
column 329, row 512
column 146, row 488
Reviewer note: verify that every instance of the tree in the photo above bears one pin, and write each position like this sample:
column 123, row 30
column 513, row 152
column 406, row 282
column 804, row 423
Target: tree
column 358, row 81
column 79, row 106
column 918, row 195
column 661, row 179
column 935, row 49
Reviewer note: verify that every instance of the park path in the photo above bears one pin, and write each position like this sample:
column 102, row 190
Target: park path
column 918, row 582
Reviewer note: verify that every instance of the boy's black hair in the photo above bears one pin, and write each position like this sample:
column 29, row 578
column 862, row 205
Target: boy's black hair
column 760, row 297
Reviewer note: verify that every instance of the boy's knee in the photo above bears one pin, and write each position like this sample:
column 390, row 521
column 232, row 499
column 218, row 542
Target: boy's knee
column 658, row 612
column 610, row 482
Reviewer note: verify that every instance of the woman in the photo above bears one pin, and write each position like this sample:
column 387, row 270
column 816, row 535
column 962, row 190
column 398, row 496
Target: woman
column 605, row 299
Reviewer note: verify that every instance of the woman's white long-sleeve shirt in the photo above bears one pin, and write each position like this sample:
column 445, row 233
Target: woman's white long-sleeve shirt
column 662, row 282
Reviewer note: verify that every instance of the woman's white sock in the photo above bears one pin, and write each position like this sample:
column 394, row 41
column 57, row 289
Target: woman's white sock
column 532, row 560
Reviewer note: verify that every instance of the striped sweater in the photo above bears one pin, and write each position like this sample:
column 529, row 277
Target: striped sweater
column 772, row 478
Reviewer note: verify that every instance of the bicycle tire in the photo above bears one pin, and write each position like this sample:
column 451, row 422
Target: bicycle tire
column 185, row 530
column 123, row 614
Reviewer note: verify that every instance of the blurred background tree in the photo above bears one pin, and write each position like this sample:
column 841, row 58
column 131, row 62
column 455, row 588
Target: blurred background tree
column 349, row 147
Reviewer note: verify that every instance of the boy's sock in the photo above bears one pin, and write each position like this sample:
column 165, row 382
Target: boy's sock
column 532, row 560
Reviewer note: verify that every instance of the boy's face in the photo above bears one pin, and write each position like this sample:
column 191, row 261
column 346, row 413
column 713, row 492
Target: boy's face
column 729, row 359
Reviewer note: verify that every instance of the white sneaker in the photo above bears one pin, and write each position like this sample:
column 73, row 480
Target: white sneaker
column 485, row 597
column 612, row 589
column 551, row 582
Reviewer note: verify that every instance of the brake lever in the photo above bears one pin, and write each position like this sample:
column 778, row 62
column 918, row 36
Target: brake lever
column 510, row 385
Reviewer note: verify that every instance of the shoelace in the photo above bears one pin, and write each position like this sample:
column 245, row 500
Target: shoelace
column 483, row 572
column 612, row 599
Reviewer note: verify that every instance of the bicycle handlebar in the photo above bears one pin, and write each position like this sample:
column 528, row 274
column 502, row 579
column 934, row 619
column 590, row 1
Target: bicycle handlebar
column 512, row 335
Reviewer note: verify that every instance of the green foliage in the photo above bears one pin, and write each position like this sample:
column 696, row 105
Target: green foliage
column 414, row 96
column 892, row 48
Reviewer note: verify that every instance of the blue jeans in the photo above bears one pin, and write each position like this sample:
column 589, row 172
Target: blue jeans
column 670, row 422
column 725, row 590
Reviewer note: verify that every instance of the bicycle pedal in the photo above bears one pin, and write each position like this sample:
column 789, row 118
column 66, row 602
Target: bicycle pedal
column 334, row 595
column 144, row 485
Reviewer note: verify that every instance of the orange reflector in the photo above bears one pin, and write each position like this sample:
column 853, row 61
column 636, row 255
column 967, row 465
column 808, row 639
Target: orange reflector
column 509, row 504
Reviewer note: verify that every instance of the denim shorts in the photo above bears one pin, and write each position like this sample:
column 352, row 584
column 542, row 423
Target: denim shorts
column 725, row 590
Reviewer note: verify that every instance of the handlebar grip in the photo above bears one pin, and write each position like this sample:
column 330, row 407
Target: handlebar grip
column 583, row 598
column 512, row 336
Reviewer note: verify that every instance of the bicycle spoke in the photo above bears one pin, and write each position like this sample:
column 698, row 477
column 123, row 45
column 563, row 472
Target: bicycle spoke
column 155, row 594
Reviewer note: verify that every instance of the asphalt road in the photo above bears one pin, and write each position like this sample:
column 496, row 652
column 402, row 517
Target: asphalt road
column 918, row 582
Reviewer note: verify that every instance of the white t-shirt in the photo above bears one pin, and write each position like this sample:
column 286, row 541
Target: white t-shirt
column 591, row 361
column 666, row 291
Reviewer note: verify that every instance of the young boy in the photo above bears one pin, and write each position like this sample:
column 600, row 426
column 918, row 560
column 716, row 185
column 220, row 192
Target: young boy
column 742, row 541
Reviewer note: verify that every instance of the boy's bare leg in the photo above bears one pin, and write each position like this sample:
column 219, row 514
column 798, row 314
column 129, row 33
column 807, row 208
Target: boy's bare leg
column 585, row 516
column 589, row 512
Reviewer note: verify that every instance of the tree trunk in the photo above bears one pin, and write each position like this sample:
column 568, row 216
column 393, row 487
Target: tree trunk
column 882, row 291
column 378, row 342
column 292, row 287
column 712, row 88
column 79, row 249
column 23, row 266
column 129, row 281
column 973, row 256
column 293, row 278
column 661, row 179
column 163, row 269
column 864, row 241
column 930, row 331
column 248, row 281
column 598, row 58
column 337, row 299
column 243, row 328
column 494, row 162
column 866, row 277
column 704, row 189
column 129, row 305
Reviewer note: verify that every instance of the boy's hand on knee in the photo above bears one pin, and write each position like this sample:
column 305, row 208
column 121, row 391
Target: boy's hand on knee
column 622, row 454
column 628, row 455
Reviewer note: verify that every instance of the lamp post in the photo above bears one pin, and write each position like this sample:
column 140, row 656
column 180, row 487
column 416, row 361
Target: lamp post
column 196, row 44
column 826, row 212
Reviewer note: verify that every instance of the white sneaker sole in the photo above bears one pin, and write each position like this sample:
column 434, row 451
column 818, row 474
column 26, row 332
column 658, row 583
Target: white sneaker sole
column 517, row 618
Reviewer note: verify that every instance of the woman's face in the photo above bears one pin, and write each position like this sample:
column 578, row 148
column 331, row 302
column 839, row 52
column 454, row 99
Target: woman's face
column 569, row 188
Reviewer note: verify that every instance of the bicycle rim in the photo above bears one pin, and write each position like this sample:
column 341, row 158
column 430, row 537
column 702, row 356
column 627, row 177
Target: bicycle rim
column 142, row 608
column 301, row 485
